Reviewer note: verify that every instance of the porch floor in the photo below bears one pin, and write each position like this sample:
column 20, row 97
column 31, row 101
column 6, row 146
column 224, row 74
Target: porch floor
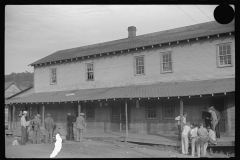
column 171, row 140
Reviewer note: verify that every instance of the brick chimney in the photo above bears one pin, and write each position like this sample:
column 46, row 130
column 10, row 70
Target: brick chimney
column 131, row 31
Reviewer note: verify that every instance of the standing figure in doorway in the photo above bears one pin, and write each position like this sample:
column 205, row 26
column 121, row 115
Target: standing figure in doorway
column 49, row 124
column 70, row 120
column 80, row 124
column 207, row 117
column 217, row 128
column 214, row 119
column 179, row 124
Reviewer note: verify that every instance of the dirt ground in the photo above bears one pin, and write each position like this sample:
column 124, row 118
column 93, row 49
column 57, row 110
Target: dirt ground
column 89, row 148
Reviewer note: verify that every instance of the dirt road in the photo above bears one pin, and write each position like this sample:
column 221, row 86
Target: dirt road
column 86, row 149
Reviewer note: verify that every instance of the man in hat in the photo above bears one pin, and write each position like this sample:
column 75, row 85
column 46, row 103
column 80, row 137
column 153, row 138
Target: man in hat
column 80, row 123
column 24, row 125
column 49, row 124
column 179, row 124
column 70, row 120
column 36, row 128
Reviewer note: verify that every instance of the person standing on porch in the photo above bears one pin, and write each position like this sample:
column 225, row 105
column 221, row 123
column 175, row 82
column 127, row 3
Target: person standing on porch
column 207, row 117
column 179, row 124
column 80, row 124
column 70, row 120
column 24, row 125
column 214, row 119
column 184, row 139
column 49, row 124
column 217, row 128
column 36, row 128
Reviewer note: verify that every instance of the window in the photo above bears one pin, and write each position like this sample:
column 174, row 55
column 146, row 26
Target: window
column 224, row 55
column 151, row 110
column 90, row 111
column 90, row 75
column 139, row 65
column 168, row 109
column 53, row 76
column 166, row 62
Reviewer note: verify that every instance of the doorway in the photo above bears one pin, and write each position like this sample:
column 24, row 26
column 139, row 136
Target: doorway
column 218, row 103
column 118, row 116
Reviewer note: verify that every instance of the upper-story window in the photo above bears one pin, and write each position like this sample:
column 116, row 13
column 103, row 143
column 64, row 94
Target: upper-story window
column 53, row 79
column 139, row 65
column 89, row 72
column 166, row 62
column 224, row 55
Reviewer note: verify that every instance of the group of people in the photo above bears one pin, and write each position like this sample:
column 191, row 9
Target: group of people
column 199, row 135
column 49, row 127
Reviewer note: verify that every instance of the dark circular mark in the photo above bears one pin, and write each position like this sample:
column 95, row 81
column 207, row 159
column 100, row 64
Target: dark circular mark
column 223, row 14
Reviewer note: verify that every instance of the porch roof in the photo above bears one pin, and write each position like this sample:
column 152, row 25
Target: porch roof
column 173, row 89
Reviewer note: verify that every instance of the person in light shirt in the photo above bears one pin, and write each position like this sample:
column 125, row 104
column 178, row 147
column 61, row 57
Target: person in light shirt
column 203, row 139
column 24, row 125
column 212, row 136
column 194, row 139
column 184, row 139
column 179, row 124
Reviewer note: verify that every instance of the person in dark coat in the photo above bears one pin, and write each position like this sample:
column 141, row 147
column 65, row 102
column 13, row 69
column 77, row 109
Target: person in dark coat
column 70, row 120
column 49, row 125
column 207, row 117
column 36, row 128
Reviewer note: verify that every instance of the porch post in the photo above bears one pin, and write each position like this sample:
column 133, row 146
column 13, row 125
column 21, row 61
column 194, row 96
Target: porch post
column 9, row 117
column 126, row 120
column 43, row 113
column 79, row 109
column 120, row 119
column 181, row 112
column 13, row 117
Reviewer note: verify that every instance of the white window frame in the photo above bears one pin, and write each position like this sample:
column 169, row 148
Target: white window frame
column 218, row 55
column 89, row 71
column 161, row 61
column 51, row 76
column 135, row 65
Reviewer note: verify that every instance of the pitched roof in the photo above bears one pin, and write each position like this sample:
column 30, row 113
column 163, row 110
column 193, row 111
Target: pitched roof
column 172, row 35
column 8, row 84
column 189, row 88
column 22, row 91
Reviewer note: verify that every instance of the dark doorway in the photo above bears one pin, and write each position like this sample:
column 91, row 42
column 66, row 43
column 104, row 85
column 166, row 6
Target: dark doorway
column 118, row 116
column 218, row 103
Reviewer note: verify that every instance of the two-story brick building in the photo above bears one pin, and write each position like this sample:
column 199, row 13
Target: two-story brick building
column 148, row 74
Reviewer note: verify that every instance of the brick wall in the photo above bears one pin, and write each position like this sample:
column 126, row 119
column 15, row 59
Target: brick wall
column 191, row 61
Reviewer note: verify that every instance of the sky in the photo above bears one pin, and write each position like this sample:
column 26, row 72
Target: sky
column 36, row 31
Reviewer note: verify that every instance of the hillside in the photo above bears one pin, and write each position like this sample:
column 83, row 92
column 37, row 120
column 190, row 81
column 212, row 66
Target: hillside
column 23, row 80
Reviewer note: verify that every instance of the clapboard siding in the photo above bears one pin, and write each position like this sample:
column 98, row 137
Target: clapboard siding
column 191, row 61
